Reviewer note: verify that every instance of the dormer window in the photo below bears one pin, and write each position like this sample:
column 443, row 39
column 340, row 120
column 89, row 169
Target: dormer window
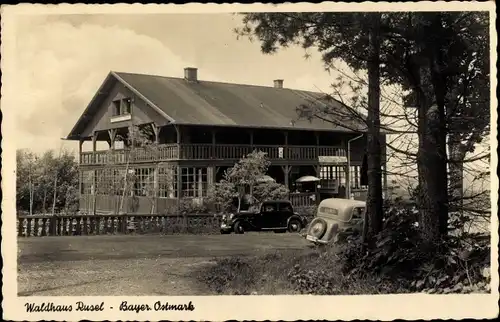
column 121, row 107
column 120, row 110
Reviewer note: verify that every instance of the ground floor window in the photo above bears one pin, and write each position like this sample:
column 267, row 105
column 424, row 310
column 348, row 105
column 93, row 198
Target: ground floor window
column 143, row 182
column 333, row 173
column 86, row 182
column 167, row 182
column 355, row 177
column 194, row 182
column 110, row 181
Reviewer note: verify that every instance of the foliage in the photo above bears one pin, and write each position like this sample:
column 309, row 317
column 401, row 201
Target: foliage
column 37, row 173
column 270, row 191
column 188, row 206
column 232, row 273
column 400, row 254
column 288, row 272
column 439, row 60
column 244, row 177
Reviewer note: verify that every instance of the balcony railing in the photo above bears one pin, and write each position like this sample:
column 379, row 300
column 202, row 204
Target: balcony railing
column 166, row 152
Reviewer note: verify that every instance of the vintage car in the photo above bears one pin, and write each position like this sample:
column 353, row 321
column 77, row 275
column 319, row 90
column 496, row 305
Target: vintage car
column 335, row 219
column 277, row 216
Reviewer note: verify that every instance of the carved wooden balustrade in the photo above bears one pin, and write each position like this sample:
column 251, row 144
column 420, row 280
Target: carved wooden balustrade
column 74, row 225
column 165, row 152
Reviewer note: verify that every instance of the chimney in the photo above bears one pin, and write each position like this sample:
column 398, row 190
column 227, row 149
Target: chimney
column 278, row 83
column 191, row 74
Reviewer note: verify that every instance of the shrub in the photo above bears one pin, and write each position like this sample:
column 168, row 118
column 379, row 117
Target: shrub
column 399, row 254
column 230, row 275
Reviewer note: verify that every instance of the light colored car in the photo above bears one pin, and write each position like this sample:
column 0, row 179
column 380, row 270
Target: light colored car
column 336, row 218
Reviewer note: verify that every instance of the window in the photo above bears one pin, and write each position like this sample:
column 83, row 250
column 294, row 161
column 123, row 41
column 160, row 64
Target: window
column 126, row 106
column 355, row 174
column 143, row 182
column 333, row 172
column 121, row 107
column 268, row 208
column 110, row 181
column 286, row 207
column 167, row 182
column 116, row 108
column 87, row 179
column 194, row 182
column 118, row 181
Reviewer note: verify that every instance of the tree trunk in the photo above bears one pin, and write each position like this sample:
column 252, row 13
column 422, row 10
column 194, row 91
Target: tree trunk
column 437, row 126
column 55, row 195
column 374, row 205
column 429, row 198
column 432, row 197
column 31, row 190
column 44, row 204
column 456, row 173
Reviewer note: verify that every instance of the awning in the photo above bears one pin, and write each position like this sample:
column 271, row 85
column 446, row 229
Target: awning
column 308, row 179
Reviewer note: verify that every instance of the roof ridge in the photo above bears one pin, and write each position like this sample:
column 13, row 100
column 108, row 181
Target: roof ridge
column 219, row 82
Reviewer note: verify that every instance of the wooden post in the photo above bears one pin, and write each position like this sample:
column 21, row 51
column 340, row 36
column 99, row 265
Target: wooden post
column 251, row 139
column 156, row 190
column 286, row 171
column 156, row 131
column 316, row 134
column 112, row 137
column 94, row 146
column 80, row 149
column 156, row 152
column 94, row 181
column 178, row 139
column 179, row 187
column 213, row 153
column 286, row 152
column 216, row 171
column 94, row 191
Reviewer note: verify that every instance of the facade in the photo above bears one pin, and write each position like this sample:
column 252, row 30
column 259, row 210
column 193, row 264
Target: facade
column 199, row 129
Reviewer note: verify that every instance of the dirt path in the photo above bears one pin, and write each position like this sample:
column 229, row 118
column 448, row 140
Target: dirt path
column 163, row 276
column 131, row 265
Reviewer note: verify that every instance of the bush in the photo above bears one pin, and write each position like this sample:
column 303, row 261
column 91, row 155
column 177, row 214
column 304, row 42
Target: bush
column 289, row 272
column 453, row 265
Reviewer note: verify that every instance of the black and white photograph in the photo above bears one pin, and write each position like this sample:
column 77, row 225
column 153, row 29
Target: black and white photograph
column 249, row 162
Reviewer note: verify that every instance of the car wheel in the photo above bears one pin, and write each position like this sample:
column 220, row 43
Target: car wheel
column 238, row 228
column 317, row 228
column 294, row 226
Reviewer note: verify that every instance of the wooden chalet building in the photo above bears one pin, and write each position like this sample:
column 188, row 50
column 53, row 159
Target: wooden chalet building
column 200, row 129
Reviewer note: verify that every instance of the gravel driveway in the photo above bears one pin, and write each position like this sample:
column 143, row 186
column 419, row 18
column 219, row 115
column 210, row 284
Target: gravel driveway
column 132, row 265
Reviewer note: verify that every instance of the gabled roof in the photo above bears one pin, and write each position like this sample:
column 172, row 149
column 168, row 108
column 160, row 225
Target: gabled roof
column 216, row 104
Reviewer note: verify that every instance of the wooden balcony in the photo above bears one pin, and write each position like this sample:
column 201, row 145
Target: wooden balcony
column 167, row 152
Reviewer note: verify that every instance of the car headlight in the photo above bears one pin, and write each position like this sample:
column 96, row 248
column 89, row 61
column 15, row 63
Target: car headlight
column 224, row 217
column 231, row 216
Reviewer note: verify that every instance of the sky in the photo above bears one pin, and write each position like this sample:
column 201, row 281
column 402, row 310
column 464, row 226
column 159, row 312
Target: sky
column 63, row 59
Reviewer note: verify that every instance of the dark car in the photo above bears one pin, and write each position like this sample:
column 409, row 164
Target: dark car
column 277, row 216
